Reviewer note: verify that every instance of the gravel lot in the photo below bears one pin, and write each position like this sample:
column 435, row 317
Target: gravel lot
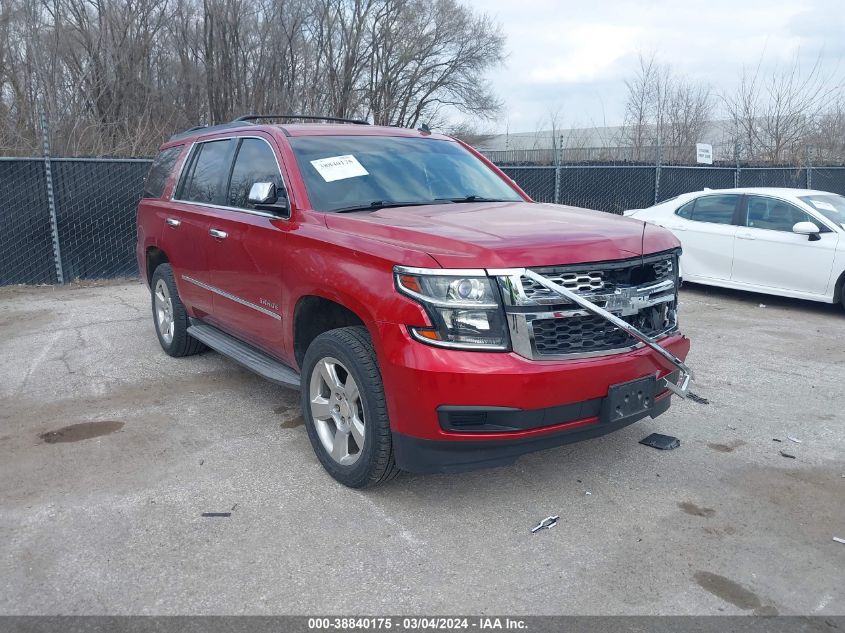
column 111, row 523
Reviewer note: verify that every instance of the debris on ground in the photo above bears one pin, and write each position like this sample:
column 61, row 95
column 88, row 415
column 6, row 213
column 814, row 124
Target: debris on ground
column 787, row 455
column 839, row 540
column 794, row 439
column 762, row 305
column 774, row 439
column 661, row 442
column 588, row 492
column 546, row 524
column 696, row 398
column 732, row 428
column 216, row 514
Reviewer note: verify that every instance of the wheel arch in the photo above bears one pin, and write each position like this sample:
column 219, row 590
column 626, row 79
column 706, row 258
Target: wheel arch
column 315, row 314
column 839, row 289
column 153, row 258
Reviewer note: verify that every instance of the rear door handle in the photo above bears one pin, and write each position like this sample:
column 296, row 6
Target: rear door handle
column 220, row 235
column 173, row 222
column 745, row 236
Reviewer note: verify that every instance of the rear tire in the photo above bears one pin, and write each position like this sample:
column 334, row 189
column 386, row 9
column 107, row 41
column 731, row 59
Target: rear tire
column 170, row 318
column 344, row 408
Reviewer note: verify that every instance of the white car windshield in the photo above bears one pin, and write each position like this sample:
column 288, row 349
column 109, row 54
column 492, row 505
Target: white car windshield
column 830, row 205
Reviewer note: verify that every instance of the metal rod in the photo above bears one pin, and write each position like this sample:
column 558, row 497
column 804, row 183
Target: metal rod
column 615, row 320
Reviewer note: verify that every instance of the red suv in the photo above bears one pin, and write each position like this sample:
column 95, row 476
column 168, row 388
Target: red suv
column 434, row 317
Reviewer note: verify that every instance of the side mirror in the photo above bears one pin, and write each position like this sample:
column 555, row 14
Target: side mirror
column 807, row 228
column 262, row 193
column 265, row 198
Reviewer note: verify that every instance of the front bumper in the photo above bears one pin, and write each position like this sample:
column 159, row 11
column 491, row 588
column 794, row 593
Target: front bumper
column 418, row 455
column 421, row 380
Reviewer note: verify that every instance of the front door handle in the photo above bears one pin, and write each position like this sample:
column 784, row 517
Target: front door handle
column 220, row 235
column 745, row 236
column 173, row 222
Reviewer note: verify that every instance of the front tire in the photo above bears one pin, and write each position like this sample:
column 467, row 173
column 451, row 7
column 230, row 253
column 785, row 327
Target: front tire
column 344, row 408
column 170, row 317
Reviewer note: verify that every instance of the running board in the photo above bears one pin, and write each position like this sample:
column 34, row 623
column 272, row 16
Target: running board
column 246, row 355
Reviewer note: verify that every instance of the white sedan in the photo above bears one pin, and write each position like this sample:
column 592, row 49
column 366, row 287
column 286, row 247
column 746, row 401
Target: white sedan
column 788, row 242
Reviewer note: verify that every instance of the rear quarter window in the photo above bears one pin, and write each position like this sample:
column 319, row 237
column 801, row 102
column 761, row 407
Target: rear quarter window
column 685, row 211
column 159, row 171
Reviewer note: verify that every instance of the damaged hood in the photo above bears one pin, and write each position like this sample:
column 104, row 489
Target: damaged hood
column 507, row 234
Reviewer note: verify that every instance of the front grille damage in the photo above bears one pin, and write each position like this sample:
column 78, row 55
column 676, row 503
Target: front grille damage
column 545, row 325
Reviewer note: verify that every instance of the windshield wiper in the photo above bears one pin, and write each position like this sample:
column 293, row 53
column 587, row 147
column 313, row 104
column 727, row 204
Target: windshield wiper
column 474, row 198
column 386, row 204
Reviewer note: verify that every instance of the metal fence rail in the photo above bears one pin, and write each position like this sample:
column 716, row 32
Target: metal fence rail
column 95, row 200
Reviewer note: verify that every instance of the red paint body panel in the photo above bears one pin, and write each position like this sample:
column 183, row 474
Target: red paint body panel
column 349, row 259
column 428, row 377
column 501, row 234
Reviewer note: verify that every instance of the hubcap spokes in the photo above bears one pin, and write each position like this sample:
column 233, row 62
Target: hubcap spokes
column 337, row 411
column 164, row 311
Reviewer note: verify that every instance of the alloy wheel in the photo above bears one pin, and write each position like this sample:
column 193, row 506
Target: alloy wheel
column 337, row 410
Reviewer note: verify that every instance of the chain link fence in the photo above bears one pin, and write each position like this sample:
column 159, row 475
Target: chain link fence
column 74, row 218
column 93, row 202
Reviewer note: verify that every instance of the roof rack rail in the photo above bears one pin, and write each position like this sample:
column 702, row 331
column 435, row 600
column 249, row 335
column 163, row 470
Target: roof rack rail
column 254, row 117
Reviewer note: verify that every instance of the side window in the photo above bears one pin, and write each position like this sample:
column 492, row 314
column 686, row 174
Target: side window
column 685, row 211
column 774, row 214
column 160, row 170
column 206, row 178
column 715, row 209
column 255, row 162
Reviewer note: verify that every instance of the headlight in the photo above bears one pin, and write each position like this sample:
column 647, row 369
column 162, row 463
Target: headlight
column 465, row 309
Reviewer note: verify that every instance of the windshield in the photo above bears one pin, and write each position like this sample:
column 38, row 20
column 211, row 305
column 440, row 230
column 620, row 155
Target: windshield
column 348, row 173
column 830, row 205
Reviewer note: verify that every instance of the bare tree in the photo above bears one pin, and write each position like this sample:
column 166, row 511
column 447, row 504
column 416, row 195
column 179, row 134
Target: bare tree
column 774, row 115
column 117, row 76
column 664, row 110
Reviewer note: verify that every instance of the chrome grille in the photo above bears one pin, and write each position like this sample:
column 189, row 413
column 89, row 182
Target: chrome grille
column 580, row 282
column 545, row 325
column 591, row 333
column 663, row 268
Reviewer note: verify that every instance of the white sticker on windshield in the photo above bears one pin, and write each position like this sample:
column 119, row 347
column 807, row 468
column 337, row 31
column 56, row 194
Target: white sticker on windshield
column 339, row 167
column 822, row 205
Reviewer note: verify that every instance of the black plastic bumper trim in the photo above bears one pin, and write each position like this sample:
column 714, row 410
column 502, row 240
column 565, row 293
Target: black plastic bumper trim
column 462, row 419
column 483, row 419
column 419, row 455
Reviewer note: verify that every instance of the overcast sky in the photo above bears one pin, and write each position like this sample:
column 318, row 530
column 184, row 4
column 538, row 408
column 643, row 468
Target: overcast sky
column 575, row 55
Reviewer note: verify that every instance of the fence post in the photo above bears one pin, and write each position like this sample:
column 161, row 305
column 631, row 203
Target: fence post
column 656, row 172
column 51, row 201
column 736, row 159
column 809, row 167
column 557, row 173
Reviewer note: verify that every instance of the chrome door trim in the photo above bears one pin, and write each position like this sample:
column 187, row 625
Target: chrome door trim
column 223, row 207
column 232, row 297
